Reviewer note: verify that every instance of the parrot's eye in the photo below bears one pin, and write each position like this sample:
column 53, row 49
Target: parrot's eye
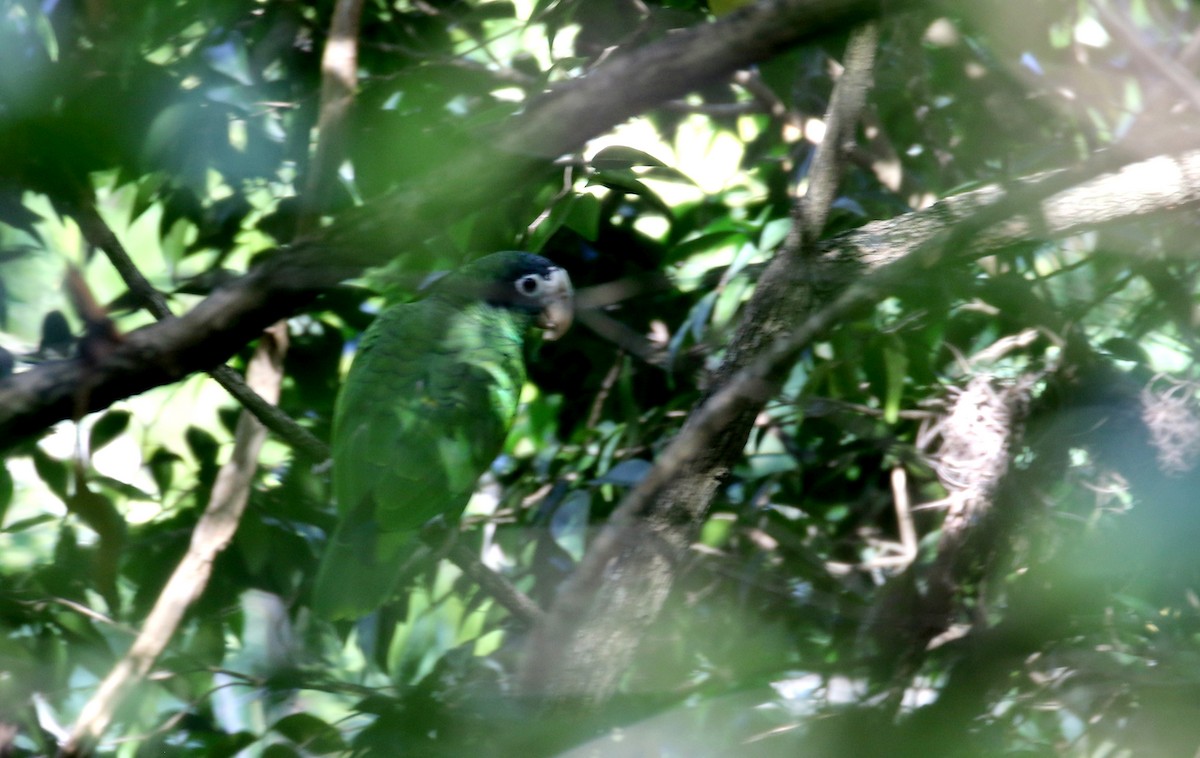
column 528, row 285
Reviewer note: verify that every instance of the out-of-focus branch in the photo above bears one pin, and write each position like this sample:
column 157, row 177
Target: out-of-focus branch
column 339, row 82
column 212, row 534
column 1174, row 72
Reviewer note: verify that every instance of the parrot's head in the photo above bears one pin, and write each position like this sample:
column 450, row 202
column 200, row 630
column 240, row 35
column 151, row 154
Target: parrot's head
column 522, row 282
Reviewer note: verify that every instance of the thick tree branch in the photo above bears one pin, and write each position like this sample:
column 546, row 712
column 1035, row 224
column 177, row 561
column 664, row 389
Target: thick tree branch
column 234, row 315
column 659, row 515
column 99, row 234
column 556, row 123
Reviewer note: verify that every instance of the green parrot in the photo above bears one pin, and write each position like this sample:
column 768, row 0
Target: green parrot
column 424, row 411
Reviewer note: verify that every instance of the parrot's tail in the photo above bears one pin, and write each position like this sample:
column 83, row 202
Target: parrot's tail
column 360, row 569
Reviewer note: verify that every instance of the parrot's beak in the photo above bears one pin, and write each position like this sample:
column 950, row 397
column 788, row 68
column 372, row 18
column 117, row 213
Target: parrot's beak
column 558, row 309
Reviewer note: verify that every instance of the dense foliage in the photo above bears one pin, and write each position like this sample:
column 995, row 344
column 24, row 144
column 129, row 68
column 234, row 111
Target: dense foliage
column 965, row 526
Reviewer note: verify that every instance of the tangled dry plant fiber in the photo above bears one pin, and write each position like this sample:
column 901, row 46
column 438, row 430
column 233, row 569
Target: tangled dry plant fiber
column 975, row 435
column 1171, row 413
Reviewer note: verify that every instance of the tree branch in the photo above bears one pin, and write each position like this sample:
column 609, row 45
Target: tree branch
column 212, row 534
column 99, row 234
column 234, row 315
column 670, row 501
column 559, row 122
column 586, row 643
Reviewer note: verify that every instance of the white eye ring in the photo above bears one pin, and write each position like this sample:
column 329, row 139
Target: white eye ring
column 528, row 284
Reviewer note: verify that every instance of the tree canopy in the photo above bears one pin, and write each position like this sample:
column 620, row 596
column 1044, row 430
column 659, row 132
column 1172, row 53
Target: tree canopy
column 876, row 433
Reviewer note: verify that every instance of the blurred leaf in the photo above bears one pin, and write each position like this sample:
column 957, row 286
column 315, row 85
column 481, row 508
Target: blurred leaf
column 53, row 472
column 203, row 446
column 107, row 428
column 569, row 524
column 706, row 242
column 627, row 473
column 623, row 180
column 162, row 464
column 896, row 362
column 584, row 217
column 123, row 489
column 230, row 58
column 6, row 491
column 310, row 733
column 621, row 157
column 694, row 325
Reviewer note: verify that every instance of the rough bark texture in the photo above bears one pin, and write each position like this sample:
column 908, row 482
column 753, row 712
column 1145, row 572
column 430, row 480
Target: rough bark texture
column 589, row 639
column 585, row 646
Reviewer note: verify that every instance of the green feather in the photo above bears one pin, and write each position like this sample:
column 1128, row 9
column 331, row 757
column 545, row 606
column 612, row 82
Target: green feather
column 423, row 412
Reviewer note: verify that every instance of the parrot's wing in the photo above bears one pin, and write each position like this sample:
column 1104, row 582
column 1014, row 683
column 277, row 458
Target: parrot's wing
column 424, row 411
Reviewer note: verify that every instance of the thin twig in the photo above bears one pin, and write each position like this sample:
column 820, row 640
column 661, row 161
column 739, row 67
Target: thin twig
column 904, row 520
column 606, row 385
column 100, row 235
column 339, row 81
column 1174, row 72
column 503, row 591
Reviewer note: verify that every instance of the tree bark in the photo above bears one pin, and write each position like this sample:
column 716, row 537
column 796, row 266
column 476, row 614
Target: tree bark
column 588, row 641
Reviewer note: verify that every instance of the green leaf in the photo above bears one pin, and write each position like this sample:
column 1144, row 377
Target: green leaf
column 583, row 217
column 717, row 530
column 6, row 491
column 29, row 523
column 203, row 445
column 623, row 180
column 895, row 363
column 706, row 242
column 496, row 11
column 310, row 733
column 124, row 489
column 107, row 428
column 550, row 224
column 53, row 472
column 568, row 525
column 626, row 473
column 694, row 324
column 621, row 157
column 162, row 469
column 231, row 59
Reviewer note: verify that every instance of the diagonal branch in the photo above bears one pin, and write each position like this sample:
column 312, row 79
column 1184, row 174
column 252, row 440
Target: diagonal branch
column 212, row 534
column 557, row 123
column 587, row 642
